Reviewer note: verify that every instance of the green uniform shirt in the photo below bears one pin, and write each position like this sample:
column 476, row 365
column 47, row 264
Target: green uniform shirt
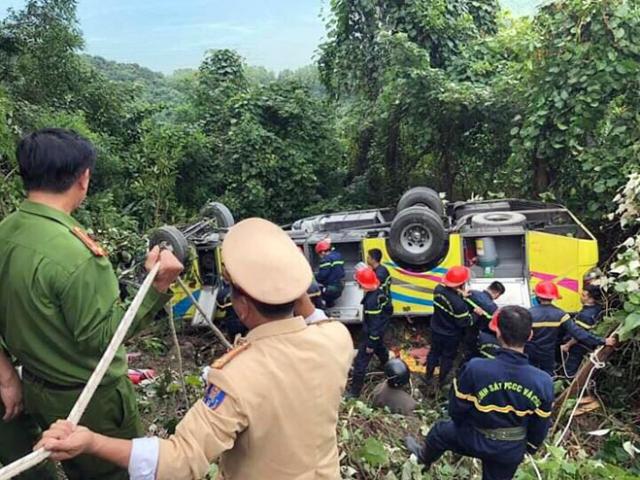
column 59, row 301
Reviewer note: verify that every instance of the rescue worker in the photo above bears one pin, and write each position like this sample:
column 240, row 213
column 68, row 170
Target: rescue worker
column 500, row 409
column 550, row 325
column 316, row 295
column 587, row 318
column 330, row 276
column 59, row 301
column 228, row 314
column 390, row 394
column 270, row 409
column 374, row 259
column 450, row 319
column 483, row 303
column 374, row 326
column 18, row 431
column 488, row 344
column 483, row 306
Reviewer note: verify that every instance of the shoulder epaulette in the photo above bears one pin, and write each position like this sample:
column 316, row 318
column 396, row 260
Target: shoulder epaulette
column 89, row 242
column 230, row 355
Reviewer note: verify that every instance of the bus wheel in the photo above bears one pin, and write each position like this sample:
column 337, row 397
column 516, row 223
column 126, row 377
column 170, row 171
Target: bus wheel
column 220, row 213
column 421, row 197
column 173, row 238
column 417, row 237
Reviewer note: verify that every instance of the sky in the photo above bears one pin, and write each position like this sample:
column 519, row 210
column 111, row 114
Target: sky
column 165, row 35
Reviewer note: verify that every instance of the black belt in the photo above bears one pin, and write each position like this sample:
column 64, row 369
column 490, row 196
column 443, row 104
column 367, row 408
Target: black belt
column 513, row 434
column 31, row 378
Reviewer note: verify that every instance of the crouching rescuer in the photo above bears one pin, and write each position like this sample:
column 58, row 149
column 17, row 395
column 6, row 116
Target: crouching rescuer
column 500, row 408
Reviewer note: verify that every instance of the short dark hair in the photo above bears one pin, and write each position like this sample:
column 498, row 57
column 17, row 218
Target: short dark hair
column 497, row 287
column 514, row 323
column 376, row 254
column 272, row 312
column 594, row 292
column 52, row 159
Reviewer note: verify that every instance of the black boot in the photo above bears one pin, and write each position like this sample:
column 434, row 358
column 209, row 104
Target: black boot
column 354, row 390
column 415, row 447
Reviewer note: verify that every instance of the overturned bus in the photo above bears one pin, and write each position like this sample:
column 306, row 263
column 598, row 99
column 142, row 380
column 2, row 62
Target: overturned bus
column 517, row 242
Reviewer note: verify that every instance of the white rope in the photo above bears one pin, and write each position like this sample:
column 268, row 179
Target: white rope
column 535, row 466
column 597, row 364
column 206, row 317
column 176, row 344
column 34, row 458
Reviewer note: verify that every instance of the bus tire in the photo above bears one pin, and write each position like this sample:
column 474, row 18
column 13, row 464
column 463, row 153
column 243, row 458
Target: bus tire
column 173, row 238
column 417, row 238
column 422, row 197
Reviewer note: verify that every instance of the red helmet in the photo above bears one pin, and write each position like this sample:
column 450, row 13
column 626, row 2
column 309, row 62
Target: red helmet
column 493, row 324
column 457, row 276
column 323, row 245
column 367, row 278
column 547, row 290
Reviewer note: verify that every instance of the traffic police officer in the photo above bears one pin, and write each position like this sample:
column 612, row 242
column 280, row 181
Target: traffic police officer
column 450, row 319
column 587, row 318
column 550, row 325
column 390, row 394
column 374, row 326
column 330, row 276
column 18, row 431
column 59, row 302
column 499, row 408
column 270, row 409
column 227, row 313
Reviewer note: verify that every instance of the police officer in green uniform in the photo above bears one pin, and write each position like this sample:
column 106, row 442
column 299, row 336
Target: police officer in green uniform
column 18, row 431
column 59, row 302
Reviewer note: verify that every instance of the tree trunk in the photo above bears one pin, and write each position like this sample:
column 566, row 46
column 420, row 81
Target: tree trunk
column 541, row 176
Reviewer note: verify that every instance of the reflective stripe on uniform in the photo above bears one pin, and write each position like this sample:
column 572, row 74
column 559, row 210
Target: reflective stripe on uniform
column 372, row 312
column 449, row 312
column 475, row 305
column 496, row 408
column 224, row 305
column 373, row 338
column 331, row 264
column 586, row 326
column 550, row 324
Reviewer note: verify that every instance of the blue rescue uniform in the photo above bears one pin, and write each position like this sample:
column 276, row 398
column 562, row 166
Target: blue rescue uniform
column 228, row 314
column 448, row 323
column 550, row 325
column 488, row 344
column 330, row 277
column 587, row 318
column 316, row 295
column 484, row 300
column 500, row 409
column 373, row 328
column 384, row 277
